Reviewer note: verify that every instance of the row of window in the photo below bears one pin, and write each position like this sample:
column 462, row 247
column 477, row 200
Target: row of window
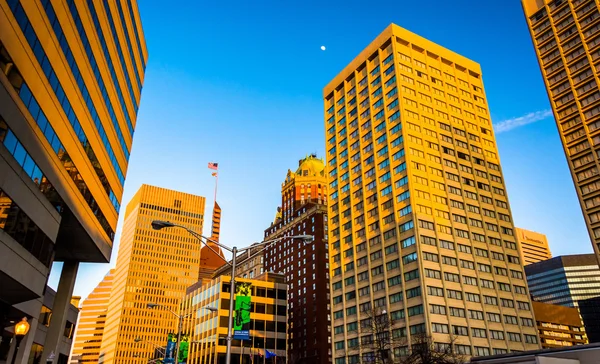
column 24, row 159
column 94, row 65
column 391, row 265
column 128, row 37
column 426, row 120
column 390, row 249
column 492, row 301
column 137, row 35
column 113, row 29
column 381, row 302
column 482, row 333
column 438, row 92
column 39, row 117
column 63, row 100
column 64, row 45
column 424, row 224
column 58, row 89
column 19, row 226
column 428, row 225
column 443, row 200
column 366, row 326
column 471, row 297
column 389, row 70
column 108, row 57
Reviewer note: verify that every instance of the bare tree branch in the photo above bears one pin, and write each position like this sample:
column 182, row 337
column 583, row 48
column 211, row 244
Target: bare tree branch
column 380, row 335
column 424, row 351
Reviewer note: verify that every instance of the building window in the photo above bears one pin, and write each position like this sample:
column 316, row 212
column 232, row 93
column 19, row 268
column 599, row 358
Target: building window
column 20, row 227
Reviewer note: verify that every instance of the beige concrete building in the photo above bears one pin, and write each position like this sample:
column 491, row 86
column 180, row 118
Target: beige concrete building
column 532, row 246
column 90, row 326
column 420, row 227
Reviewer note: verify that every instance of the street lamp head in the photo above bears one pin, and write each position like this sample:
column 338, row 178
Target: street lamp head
column 152, row 305
column 307, row 239
column 137, row 339
column 159, row 224
column 211, row 309
column 22, row 327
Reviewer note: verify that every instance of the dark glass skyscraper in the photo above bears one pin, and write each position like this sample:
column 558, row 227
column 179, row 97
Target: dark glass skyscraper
column 564, row 280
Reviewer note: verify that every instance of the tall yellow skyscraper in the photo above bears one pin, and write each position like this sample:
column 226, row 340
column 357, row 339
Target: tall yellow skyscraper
column 419, row 222
column 90, row 325
column 566, row 38
column 152, row 267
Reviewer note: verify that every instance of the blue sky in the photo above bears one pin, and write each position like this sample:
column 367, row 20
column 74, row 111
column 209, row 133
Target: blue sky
column 240, row 83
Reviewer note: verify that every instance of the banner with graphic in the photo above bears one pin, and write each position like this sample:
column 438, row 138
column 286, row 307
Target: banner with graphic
column 184, row 346
column 170, row 349
column 243, row 306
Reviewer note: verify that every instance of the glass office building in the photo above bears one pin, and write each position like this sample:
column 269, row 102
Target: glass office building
column 71, row 80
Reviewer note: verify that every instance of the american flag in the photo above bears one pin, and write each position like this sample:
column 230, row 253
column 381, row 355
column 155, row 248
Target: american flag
column 213, row 165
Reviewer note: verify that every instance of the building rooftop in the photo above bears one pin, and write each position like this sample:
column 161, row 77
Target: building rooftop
column 394, row 30
column 312, row 165
column 561, row 261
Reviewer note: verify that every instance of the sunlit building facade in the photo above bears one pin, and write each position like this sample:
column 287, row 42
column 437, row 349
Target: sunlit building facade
column 420, row 227
column 566, row 38
column 558, row 326
column 533, row 246
column 90, row 324
column 212, row 257
column 208, row 329
column 70, row 86
column 305, row 266
column 152, row 267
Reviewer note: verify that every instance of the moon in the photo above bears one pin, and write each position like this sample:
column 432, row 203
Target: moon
column 323, row 48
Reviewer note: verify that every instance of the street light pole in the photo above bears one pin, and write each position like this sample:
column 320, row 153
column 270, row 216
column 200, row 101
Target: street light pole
column 178, row 340
column 21, row 329
column 231, row 303
column 179, row 326
column 159, row 224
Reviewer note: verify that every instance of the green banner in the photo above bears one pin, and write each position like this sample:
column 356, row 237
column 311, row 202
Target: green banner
column 243, row 306
column 184, row 346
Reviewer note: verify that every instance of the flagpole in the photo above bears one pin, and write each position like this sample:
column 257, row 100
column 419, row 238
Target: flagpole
column 216, row 184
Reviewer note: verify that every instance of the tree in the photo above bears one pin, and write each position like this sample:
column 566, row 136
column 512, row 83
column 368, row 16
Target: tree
column 381, row 334
column 424, row 351
column 378, row 337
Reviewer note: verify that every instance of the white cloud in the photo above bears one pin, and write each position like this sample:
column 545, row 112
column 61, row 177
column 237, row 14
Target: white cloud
column 532, row 117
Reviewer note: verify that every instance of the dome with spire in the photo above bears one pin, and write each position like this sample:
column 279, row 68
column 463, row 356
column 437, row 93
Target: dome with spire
column 311, row 166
